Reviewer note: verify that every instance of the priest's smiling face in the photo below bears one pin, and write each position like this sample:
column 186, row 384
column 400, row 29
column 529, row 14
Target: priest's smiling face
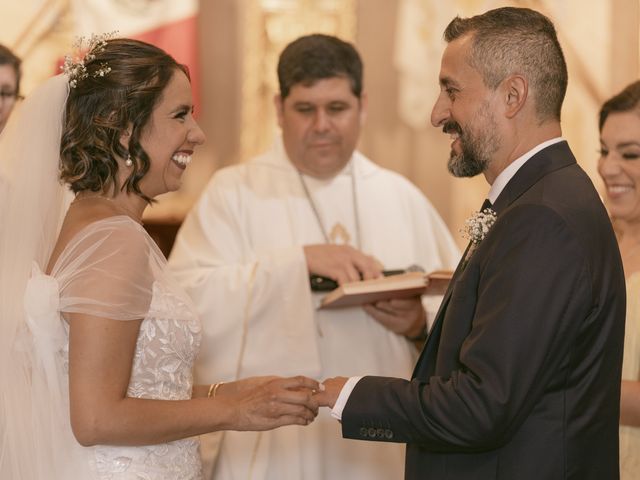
column 320, row 125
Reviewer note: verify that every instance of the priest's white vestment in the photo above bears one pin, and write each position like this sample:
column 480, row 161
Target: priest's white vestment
column 239, row 255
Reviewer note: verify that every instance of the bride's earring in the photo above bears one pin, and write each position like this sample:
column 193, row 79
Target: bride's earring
column 128, row 162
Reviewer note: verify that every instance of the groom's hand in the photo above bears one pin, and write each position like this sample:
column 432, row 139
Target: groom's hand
column 332, row 389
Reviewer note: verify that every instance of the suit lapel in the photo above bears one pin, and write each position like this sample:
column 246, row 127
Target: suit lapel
column 552, row 158
column 434, row 335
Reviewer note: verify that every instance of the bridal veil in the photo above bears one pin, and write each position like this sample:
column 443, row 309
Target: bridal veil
column 33, row 407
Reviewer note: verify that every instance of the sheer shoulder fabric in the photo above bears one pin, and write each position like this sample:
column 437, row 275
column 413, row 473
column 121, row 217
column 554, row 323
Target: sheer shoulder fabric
column 108, row 270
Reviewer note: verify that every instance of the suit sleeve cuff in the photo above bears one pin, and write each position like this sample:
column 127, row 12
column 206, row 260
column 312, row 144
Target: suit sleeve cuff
column 341, row 402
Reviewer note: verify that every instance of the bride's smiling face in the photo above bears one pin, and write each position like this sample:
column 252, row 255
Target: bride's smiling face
column 170, row 137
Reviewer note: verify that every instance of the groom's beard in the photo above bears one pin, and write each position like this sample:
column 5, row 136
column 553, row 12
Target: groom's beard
column 477, row 146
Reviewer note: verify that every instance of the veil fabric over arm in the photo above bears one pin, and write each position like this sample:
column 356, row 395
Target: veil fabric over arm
column 33, row 205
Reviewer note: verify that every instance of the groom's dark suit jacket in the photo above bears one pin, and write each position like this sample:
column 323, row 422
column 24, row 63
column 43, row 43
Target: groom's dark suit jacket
column 520, row 376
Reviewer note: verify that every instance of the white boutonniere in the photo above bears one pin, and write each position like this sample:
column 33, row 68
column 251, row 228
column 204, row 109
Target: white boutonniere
column 478, row 225
column 475, row 229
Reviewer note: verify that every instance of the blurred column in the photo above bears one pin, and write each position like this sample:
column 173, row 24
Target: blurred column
column 625, row 43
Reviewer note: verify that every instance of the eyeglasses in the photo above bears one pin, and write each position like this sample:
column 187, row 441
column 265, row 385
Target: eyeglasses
column 10, row 96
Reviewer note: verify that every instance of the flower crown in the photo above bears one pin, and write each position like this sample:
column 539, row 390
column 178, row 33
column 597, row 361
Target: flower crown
column 75, row 66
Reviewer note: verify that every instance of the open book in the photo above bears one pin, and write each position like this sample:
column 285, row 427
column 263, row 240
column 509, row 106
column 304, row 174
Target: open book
column 403, row 285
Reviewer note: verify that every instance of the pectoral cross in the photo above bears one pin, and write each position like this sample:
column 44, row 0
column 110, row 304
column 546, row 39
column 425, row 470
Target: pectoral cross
column 339, row 235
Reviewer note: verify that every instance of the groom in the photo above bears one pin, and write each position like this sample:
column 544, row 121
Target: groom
column 520, row 376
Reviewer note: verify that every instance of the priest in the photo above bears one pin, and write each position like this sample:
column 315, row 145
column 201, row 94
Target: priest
column 310, row 206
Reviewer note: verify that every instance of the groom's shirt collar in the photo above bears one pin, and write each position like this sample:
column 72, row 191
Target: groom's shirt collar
column 508, row 173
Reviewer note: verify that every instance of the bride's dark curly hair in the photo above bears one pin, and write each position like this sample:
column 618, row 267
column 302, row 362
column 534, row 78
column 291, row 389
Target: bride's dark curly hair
column 101, row 108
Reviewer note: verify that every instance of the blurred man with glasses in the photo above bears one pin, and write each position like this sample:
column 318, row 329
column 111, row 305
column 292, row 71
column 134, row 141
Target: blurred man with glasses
column 9, row 83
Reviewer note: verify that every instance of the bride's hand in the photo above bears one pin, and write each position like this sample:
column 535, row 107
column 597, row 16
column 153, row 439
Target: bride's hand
column 264, row 403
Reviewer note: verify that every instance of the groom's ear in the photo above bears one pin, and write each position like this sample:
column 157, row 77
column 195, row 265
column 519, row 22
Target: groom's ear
column 515, row 90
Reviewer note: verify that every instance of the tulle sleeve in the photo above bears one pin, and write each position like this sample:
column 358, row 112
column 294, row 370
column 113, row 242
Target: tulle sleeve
column 109, row 270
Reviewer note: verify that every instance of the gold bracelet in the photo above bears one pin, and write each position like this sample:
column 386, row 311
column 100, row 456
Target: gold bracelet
column 213, row 389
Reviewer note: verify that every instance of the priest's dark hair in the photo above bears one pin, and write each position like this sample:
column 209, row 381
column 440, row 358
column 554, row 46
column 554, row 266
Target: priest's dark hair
column 315, row 57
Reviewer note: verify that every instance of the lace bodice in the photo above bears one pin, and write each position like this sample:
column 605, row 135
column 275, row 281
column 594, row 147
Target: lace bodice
column 167, row 344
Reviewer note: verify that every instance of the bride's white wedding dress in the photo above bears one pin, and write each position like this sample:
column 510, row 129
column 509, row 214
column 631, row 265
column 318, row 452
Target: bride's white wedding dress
column 113, row 269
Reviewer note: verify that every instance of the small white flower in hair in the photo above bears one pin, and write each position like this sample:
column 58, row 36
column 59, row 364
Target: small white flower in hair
column 74, row 67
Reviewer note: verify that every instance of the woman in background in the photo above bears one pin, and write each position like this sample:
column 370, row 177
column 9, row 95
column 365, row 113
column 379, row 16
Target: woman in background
column 619, row 167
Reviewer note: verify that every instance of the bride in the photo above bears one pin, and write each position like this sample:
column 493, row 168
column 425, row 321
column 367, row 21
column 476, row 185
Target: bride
column 97, row 341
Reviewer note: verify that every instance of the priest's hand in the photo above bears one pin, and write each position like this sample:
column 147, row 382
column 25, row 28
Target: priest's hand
column 331, row 388
column 264, row 403
column 404, row 316
column 341, row 263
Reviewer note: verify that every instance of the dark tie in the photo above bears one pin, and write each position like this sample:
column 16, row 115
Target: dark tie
column 486, row 204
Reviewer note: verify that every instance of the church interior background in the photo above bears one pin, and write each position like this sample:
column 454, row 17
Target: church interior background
column 237, row 42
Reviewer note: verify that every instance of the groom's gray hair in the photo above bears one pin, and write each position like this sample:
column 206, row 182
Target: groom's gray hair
column 521, row 41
